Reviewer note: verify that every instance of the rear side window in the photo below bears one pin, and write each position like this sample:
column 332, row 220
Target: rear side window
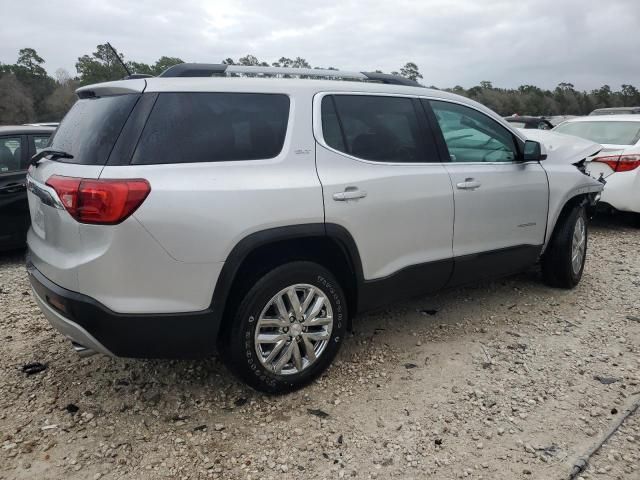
column 377, row 128
column 91, row 128
column 607, row 132
column 213, row 127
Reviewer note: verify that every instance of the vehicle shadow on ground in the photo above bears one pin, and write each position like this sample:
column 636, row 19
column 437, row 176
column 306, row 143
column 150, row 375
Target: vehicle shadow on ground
column 616, row 221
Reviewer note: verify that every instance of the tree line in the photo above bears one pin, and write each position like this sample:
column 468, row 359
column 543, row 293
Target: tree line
column 29, row 94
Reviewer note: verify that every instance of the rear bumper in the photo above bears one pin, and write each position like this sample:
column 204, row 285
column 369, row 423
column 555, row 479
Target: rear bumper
column 87, row 322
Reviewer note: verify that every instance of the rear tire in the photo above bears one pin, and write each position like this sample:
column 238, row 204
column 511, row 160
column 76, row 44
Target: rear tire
column 564, row 259
column 277, row 342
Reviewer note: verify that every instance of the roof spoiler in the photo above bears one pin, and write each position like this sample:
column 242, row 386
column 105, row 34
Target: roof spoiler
column 218, row 69
column 119, row 87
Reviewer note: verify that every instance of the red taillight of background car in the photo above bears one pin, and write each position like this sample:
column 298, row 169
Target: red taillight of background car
column 101, row 202
column 620, row 163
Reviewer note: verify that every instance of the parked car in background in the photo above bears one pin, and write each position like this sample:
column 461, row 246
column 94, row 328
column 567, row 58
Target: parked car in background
column 618, row 162
column 255, row 217
column 17, row 145
column 616, row 111
column 520, row 121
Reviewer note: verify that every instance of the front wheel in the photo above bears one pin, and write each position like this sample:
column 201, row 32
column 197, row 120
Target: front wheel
column 287, row 329
column 563, row 262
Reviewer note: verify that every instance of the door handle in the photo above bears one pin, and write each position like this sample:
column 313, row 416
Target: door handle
column 468, row 184
column 350, row 193
column 13, row 188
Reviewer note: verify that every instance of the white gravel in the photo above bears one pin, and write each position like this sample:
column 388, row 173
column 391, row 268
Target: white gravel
column 498, row 383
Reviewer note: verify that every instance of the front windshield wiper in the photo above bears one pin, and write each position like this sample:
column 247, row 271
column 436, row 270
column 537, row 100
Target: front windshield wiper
column 51, row 152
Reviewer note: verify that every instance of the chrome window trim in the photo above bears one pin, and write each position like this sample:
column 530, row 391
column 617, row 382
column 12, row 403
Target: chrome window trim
column 319, row 137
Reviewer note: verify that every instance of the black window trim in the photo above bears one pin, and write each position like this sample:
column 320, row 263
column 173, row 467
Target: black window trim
column 423, row 122
column 442, row 145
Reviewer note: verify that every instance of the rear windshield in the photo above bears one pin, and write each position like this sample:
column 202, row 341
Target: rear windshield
column 213, row 127
column 90, row 129
column 614, row 133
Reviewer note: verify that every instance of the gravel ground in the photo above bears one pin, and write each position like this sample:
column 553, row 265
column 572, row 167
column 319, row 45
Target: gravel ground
column 505, row 380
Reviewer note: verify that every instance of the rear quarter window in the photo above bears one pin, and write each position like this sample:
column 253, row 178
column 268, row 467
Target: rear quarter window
column 213, row 127
column 91, row 128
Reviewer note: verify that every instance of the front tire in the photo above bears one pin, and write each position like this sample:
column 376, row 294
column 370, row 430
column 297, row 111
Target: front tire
column 563, row 262
column 287, row 329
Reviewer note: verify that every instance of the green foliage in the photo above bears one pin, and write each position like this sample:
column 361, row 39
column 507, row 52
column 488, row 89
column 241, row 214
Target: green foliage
column 29, row 94
column 411, row 71
column 101, row 66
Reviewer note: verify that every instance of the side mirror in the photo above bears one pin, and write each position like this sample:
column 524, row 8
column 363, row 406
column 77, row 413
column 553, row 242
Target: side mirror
column 533, row 151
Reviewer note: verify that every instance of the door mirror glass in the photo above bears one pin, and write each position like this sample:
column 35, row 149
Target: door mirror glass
column 533, row 151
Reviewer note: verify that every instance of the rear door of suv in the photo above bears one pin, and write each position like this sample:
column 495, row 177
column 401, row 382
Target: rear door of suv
column 382, row 181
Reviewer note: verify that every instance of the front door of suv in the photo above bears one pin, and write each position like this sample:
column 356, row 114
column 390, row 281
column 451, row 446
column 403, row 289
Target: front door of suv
column 382, row 181
column 500, row 202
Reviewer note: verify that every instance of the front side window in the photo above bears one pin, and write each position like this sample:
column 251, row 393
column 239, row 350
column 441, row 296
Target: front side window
column 213, row 127
column 377, row 128
column 10, row 154
column 472, row 136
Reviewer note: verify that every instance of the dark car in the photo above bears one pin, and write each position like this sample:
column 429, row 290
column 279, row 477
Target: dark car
column 17, row 145
column 539, row 123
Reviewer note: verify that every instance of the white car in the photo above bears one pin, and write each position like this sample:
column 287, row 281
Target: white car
column 255, row 217
column 619, row 160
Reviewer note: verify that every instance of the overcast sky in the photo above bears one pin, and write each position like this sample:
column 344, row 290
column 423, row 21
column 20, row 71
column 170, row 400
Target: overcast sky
column 454, row 42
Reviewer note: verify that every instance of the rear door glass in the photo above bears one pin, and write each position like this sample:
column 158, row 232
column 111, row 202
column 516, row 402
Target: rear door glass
column 376, row 128
column 91, row 128
column 196, row 127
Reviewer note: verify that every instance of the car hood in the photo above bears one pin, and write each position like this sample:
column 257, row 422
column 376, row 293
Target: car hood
column 563, row 148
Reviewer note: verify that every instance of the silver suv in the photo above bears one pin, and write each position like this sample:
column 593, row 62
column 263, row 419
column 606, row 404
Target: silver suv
column 213, row 210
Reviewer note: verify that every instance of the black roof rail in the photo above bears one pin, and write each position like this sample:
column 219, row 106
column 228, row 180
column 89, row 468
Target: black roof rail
column 194, row 70
column 391, row 79
column 218, row 69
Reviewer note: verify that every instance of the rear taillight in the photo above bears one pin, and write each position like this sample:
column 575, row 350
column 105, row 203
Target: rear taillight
column 103, row 202
column 620, row 163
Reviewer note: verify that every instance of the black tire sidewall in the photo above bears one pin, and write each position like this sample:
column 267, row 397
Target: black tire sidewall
column 242, row 356
column 576, row 214
column 556, row 265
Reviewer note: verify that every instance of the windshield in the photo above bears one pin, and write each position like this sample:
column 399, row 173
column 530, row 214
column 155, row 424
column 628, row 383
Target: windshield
column 614, row 133
column 91, row 128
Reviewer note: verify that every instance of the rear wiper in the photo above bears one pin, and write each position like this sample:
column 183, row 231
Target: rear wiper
column 52, row 152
